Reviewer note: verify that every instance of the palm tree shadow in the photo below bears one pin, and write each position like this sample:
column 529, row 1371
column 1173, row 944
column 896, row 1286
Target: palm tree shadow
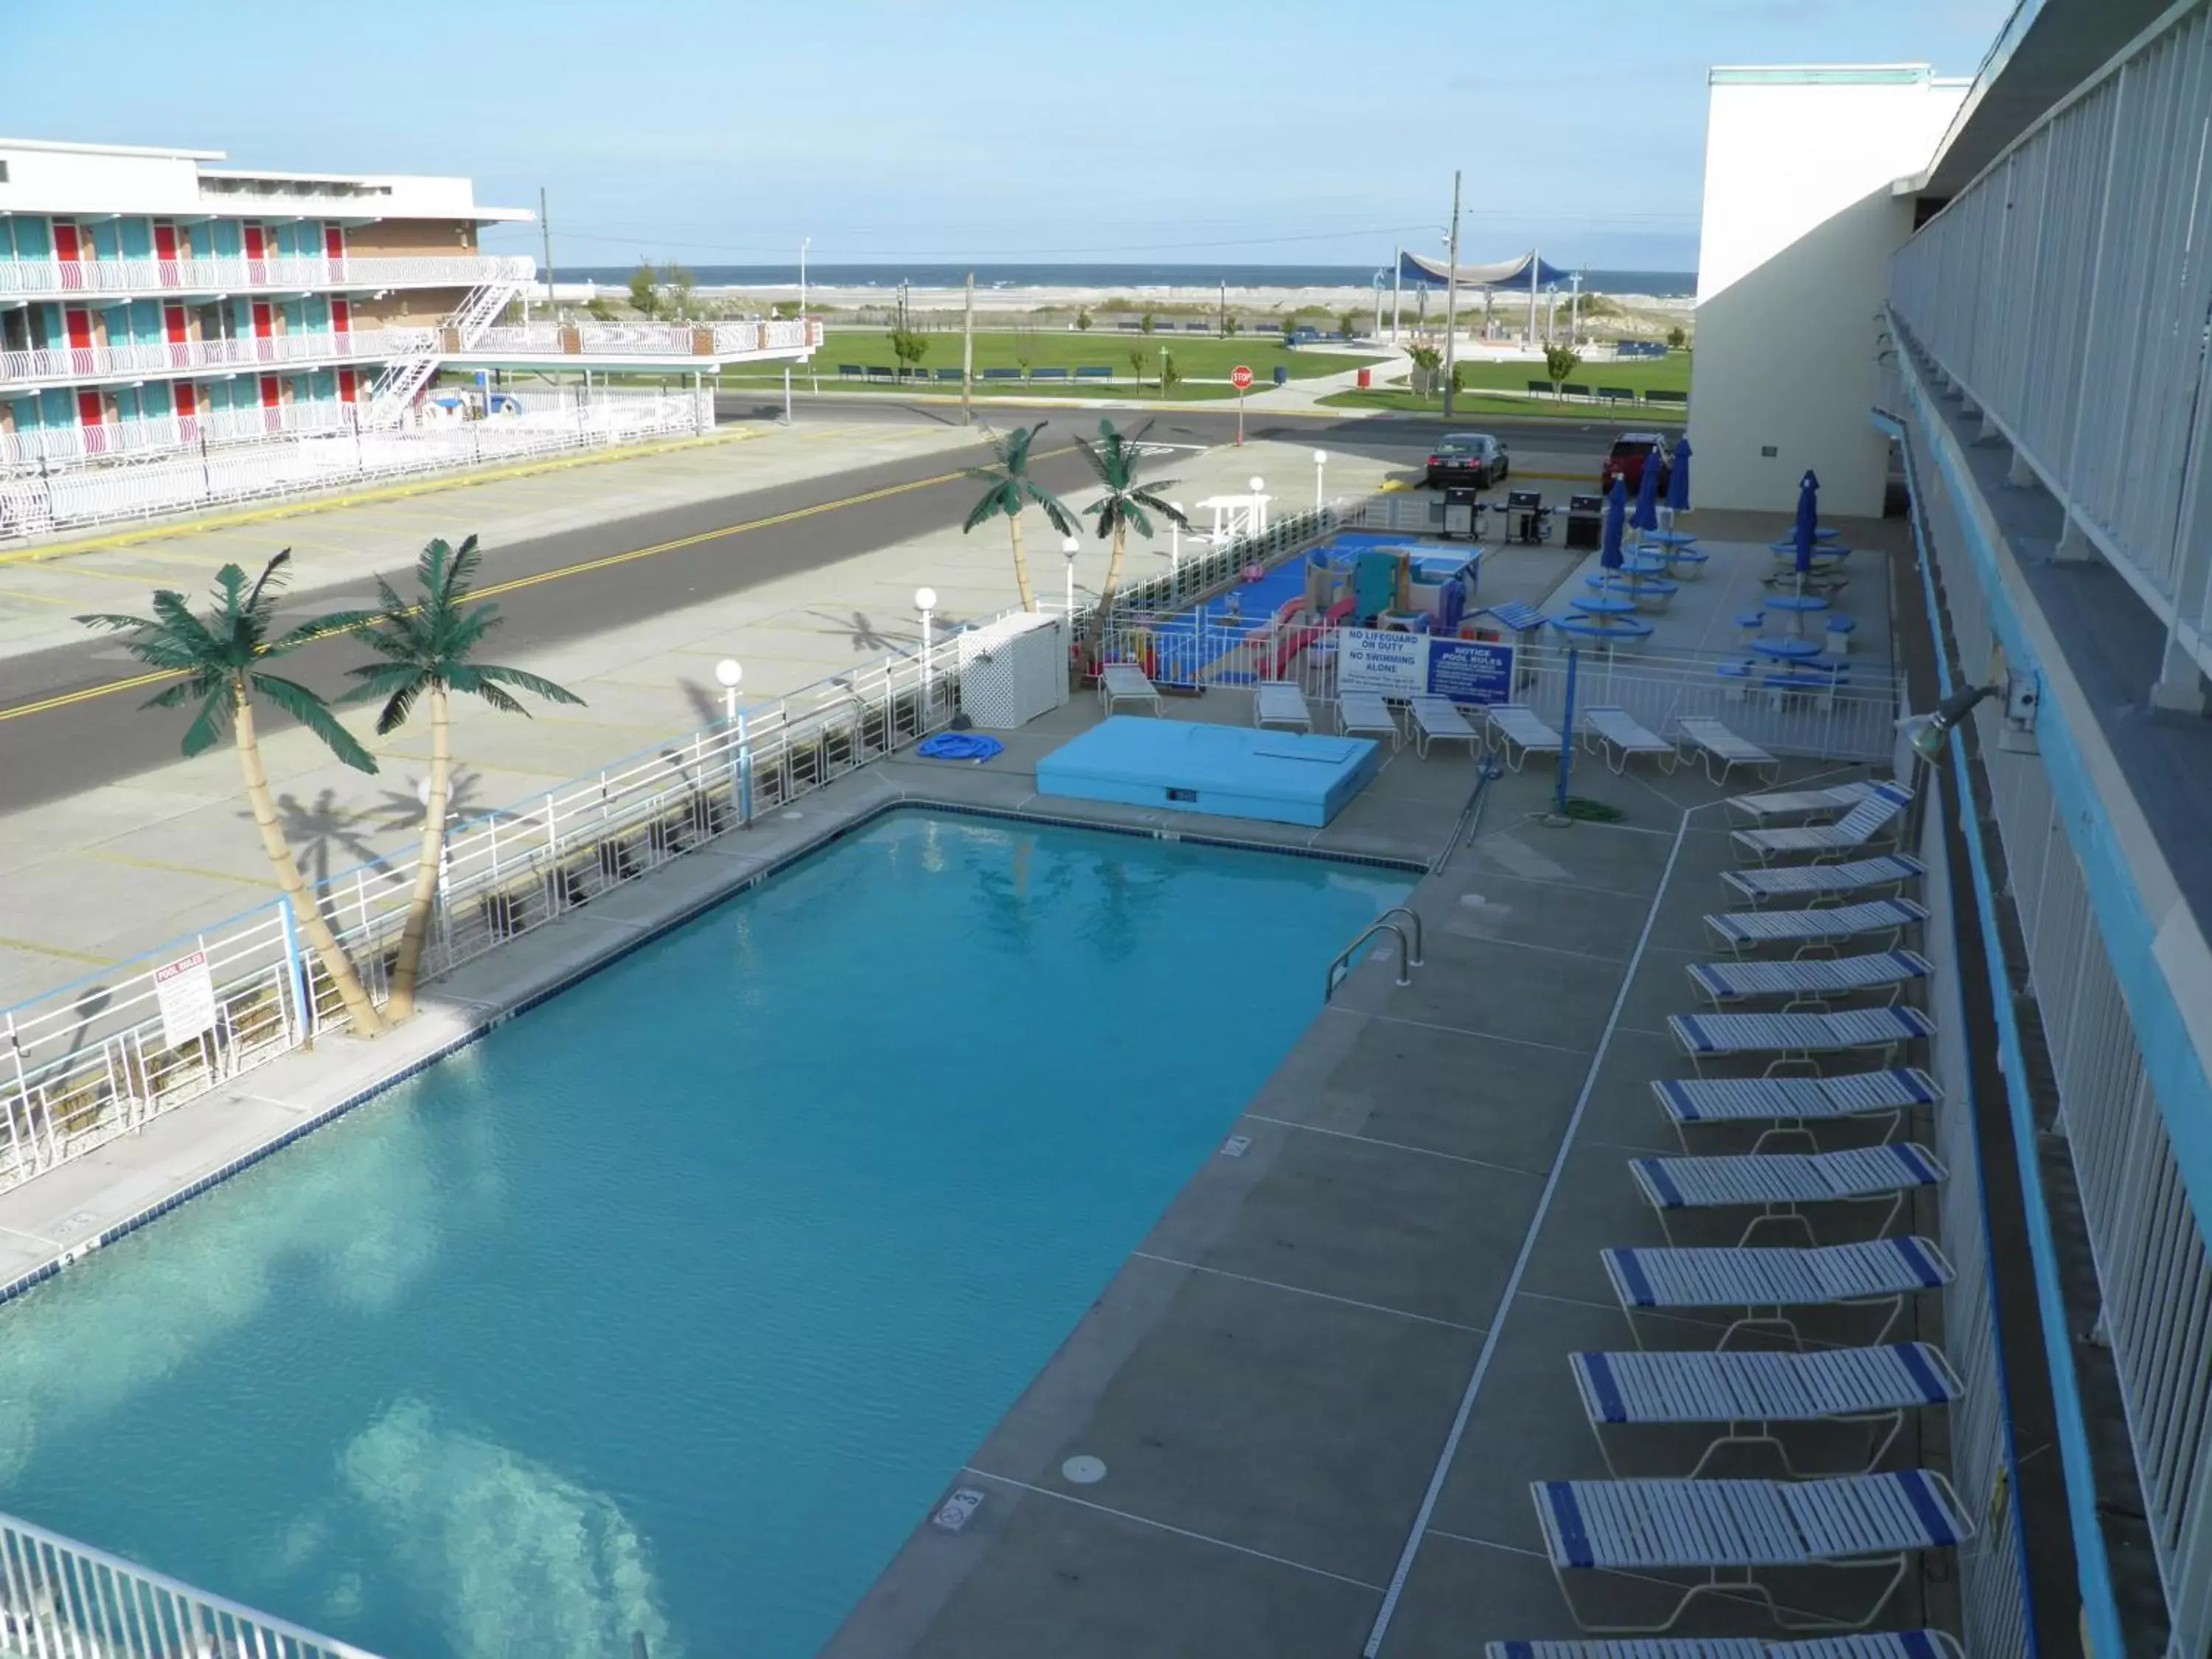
column 859, row 630
column 404, row 809
column 706, row 705
column 317, row 831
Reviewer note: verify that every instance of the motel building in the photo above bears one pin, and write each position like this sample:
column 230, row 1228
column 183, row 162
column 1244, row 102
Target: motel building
column 175, row 333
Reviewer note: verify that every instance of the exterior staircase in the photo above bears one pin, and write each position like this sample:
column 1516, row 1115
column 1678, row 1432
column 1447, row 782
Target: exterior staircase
column 403, row 378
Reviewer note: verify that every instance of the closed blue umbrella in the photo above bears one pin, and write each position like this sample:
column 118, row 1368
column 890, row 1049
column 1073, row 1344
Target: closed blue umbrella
column 1616, row 510
column 1809, row 518
column 1678, row 479
column 1646, row 516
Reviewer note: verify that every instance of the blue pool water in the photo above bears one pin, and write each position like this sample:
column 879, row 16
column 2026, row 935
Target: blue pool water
column 671, row 1305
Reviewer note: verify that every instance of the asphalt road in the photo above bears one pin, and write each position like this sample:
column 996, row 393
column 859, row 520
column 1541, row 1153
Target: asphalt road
column 67, row 727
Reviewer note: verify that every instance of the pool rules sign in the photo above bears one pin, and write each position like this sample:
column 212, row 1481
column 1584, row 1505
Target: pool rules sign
column 185, row 990
column 1408, row 665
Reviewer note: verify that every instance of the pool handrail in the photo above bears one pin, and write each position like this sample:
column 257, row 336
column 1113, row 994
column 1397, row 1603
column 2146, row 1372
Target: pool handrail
column 1339, row 967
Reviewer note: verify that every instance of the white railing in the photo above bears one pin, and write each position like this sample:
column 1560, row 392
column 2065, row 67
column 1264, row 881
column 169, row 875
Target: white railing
column 88, row 1063
column 68, row 364
column 62, row 1600
column 2060, row 292
column 793, row 334
column 57, row 447
column 391, row 398
column 702, row 341
column 289, row 463
column 68, row 279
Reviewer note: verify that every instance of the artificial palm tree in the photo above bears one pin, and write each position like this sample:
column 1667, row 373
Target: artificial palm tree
column 426, row 646
column 1124, row 503
column 1011, row 489
column 222, row 657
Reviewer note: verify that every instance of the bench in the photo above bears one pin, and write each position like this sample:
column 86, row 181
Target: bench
column 850, row 371
column 1002, row 374
column 1543, row 388
column 1616, row 394
column 948, row 374
column 1569, row 389
column 876, row 372
column 1094, row 373
column 1675, row 400
column 1049, row 375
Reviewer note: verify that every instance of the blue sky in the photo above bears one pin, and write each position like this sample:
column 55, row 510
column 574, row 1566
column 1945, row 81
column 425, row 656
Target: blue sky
column 1299, row 131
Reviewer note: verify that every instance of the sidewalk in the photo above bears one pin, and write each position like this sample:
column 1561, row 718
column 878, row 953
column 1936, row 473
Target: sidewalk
column 96, row 879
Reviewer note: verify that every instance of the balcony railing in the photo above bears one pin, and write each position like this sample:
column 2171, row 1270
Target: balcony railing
column 701, row 340
column 69, row 364
column 70, row 279
column 52, row 448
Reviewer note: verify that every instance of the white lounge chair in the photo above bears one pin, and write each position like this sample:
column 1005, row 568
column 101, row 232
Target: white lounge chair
column 1791, row 1105
column 1780, row 1185
column 1718, row 746
column 1438, row 719
column 1366, row 714
column 1731, row 1528
column 1279, row 702
column 1876, row 814
column 1800, row 804
column 1621, row 737
column 1887, row 1644
column 1814, row 981
column 1815, row 881
column 1764, row 1280
column 1744, row 930
column 1521, row 733
column 1750, row 1393
column 1124, row 682
column 1784, row 1039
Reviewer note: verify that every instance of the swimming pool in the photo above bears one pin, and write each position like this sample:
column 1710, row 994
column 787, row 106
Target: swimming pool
column 670, row 1305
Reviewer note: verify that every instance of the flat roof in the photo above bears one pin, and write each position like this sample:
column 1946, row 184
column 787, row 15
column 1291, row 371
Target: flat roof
column 1818, row 75
column 65, row 146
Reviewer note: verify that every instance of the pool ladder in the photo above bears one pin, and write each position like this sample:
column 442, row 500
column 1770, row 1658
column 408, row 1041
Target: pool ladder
column 1409, row 951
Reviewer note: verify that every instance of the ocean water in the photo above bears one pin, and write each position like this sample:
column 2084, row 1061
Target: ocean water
column 670, row 1306
column 1680, row 284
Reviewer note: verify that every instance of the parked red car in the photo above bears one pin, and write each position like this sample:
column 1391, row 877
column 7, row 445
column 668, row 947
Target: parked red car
column 1629, row 452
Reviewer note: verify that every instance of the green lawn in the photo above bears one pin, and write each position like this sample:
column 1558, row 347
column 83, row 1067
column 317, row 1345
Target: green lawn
column 1197, row 357
column 1668, row 374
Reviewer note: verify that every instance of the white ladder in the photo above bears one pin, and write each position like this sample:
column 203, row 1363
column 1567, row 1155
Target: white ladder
column 403, row 378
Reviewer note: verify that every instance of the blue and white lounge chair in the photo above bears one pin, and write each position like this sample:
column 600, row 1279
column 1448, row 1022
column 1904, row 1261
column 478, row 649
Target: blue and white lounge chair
column 1817, row 881
column 1875, row 817
column 1799, row 804
column 1280, row 703
column 1788, row 1039
column 1780, row 1185
column 1750, row 1393
column 1816, row 981
column 1521, row 732
column 1368, row 715
column 1438, row 719
column 1731, row 1528
column 1744, row 930
column 1619, row 738
column 1791, row 1105
column 1764, row 1281
column 1888, row 1645
column 1719, row 747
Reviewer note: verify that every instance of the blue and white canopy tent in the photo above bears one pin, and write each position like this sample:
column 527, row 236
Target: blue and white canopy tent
column 1528, row 272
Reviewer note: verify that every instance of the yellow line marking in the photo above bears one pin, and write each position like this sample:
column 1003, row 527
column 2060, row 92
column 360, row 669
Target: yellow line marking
column 390, row 492
column 33, row 946
column 164, row 866
column 67, row 699
column 33, row 598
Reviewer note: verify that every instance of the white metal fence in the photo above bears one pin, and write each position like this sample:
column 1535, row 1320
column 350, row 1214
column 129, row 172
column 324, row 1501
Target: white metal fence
column 61, row 1599
column 55, row 447
column 2066, row 290
column 290, row 463
column 77, row 279
column 66, row 365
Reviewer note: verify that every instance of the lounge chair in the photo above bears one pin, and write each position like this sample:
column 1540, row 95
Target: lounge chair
column 1871, row 818
column 1780, row 1184
column 1750, row 1393
column 1796, row 1039
column 1791, row 1105
column 1763, row 1280
column 1815, row 881
column 1731, row 1528
column 1438, row 719
column 1718, row 746
column 1621, row 737
column 1815, row 981
column 1124, row 682
column 1800, row 804
column 1279, row 702
column 1888, row 1645
column 1522, row 619
column 1519, row 729
column 1367, row 714
column 1741, row 930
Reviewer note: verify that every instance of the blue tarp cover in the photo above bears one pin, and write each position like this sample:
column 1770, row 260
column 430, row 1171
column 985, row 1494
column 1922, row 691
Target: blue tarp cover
column 1414, row 271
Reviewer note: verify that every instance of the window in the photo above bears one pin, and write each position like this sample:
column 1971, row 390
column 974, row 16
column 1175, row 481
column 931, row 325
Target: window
column 4, row 173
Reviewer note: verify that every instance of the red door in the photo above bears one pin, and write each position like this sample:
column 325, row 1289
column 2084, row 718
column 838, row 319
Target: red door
column 71, row 249
column 341, row 317
column 334, row 248
column 176, row 335
column 345, row 385
column 78, row 321
column 188, row 408
column 272, row 415
column 257, row 254
column 91, row 414
column 265, row 326
column 165, row 254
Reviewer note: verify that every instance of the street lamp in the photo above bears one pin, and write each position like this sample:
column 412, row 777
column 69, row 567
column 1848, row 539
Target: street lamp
column 925, row 600
column 1259, row 486
column 1069, row 547
column 1321, row 461
column 729, row 671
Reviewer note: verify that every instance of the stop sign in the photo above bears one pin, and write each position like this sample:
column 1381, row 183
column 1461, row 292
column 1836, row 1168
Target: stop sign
column 1240, row 377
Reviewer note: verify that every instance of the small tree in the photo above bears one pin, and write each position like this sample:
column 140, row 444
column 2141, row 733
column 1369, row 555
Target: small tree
column 784, row 311
column 598, row 310
column 679, row 281
column 1425, row 361
column 910, row 346
column 1137, row 365
column 1145, row 324
column 1289, row 327
column 1677, row 337
column 1170, row 376
column 1348, row 324
column 1082, row 321
column 644, row 290
column 1559, row 362
column 1023, row 364
column 1230, row 325
column 1458, row 378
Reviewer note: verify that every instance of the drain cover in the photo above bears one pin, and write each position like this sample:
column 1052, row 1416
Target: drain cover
column 954, row 1512
column 1236, row 1145
column 1084, row 1470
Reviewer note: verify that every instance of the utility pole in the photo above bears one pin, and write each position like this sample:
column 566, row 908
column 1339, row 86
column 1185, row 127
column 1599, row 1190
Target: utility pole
column 546, row 225
column 1451, row 295
column 1575, row 310
column 1224, row 307
column 1397, row 288
column 968, row 355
